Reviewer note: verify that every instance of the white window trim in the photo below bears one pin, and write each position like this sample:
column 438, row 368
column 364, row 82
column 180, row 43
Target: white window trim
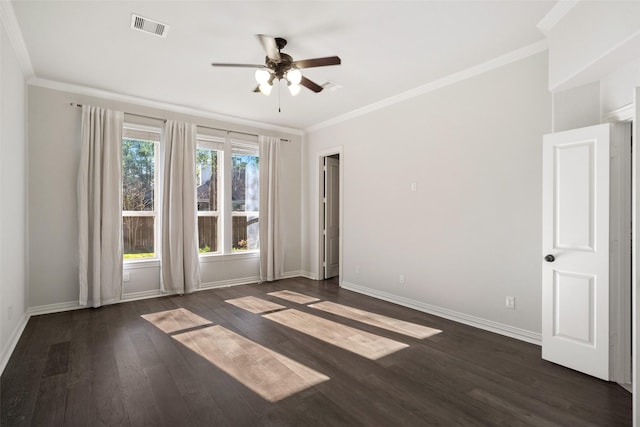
column 157, row 195
column 208, row 142
column 228, row 146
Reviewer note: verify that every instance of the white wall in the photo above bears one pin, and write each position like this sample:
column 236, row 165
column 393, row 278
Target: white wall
column 13, row 208
column 54, row 149
column 471, row 233
column 592, row 40
column 576, row 107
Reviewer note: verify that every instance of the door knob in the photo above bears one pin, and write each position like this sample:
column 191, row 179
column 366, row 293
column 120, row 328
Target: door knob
column 549, row 258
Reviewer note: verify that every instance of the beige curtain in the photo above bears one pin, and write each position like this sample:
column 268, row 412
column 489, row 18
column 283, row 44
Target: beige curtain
column 100, row 207
column 271, row 254
column 179, row 257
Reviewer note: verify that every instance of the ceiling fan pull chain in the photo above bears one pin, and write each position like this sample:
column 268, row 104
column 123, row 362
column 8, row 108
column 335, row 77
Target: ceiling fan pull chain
column 279, row 96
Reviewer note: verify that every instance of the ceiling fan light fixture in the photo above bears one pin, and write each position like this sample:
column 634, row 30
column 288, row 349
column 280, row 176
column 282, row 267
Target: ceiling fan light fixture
column 294, row 76
column 265, row 88
column 262, row 76
column 294, row 89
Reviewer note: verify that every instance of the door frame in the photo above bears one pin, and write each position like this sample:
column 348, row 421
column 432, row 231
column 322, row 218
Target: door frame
column 320, row 155
column 626, row 114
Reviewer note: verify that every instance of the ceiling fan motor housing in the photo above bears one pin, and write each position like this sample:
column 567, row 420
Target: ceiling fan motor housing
column 279, row 69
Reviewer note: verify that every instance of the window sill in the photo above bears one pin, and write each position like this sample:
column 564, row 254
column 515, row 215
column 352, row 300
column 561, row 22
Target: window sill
column 228, row 257
column 140, row 263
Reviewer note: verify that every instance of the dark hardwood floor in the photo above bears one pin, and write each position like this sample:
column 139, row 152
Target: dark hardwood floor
column 109, row 366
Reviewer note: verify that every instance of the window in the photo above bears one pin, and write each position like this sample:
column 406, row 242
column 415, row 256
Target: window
column 139, row 190
column 208, row 167
column 227, row 180
column 245, row 197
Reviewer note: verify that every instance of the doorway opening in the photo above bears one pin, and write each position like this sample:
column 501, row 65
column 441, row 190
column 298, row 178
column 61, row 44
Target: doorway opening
column 620, row 258
column 330, row 214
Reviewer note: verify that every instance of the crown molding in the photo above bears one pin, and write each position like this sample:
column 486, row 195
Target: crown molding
column 555, row 15
column 621, row 115
column 11, row 26
column 451, row 79
column 144, row 102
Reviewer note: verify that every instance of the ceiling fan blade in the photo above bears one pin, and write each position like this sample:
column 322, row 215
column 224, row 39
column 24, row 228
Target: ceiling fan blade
column 270, row 47
column 311, row 85
column 317, row 62
column 218, row 64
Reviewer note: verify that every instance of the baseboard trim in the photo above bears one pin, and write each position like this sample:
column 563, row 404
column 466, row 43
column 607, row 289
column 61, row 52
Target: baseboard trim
column 627, row 387
column 54, row 308
column 292, row 274
column 477, row 322
column 7, row 351
column 135, row 296
column 228, row 283
column 308, row 275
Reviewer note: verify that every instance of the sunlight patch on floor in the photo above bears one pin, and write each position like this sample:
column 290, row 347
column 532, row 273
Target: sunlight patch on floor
column 266, row 372
column 351, row 339
column 175, row 320
column 377, row 320
column 294, row 297
column 255, row 305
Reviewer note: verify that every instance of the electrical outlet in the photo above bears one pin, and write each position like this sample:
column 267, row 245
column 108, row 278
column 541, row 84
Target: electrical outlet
column 401, row 279
column 357, row 269
column 414, row 186
column 510, row 303
column 10, row 312
column 125, row 276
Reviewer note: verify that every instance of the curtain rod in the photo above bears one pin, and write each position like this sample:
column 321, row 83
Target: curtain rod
column 73, row 104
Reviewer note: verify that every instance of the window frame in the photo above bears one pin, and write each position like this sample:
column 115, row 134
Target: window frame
column 127, row 130
column 225, row 144
column 213, row 143
column 246, row 147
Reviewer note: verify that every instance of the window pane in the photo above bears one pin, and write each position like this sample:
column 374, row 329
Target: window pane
column 207, row 179
column 138, row 173
column 245, row 233
column 208, row 234
column 245, row 188
column 138, row 237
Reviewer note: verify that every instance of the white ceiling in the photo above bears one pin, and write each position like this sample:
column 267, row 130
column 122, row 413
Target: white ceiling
column 387, row 47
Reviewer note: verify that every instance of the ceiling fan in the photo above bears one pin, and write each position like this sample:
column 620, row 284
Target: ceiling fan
column 279, row 65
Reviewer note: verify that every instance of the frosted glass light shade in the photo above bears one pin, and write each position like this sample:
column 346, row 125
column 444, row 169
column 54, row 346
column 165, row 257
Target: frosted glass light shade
column 294, row 76
column 294, row 89
column 265, row 88
column 262, row 75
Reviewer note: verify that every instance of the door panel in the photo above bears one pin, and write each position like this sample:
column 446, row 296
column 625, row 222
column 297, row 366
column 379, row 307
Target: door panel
column 575, row 224
column 573, row 212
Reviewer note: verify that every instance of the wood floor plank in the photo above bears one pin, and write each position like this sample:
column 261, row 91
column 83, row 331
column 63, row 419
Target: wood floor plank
column 57, row 359
column 264, row 371
column 50, row 403
column 175, row 320
column 294, row 296
column 255, row 305
column 385, row 322
column 169, row 403
column 348, row 338
column 137, row 395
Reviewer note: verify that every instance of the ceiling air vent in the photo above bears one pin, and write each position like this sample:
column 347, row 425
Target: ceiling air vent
column 147, row 25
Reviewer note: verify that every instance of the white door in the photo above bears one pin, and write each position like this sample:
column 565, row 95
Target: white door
column 575, row 244
column 331, row 217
